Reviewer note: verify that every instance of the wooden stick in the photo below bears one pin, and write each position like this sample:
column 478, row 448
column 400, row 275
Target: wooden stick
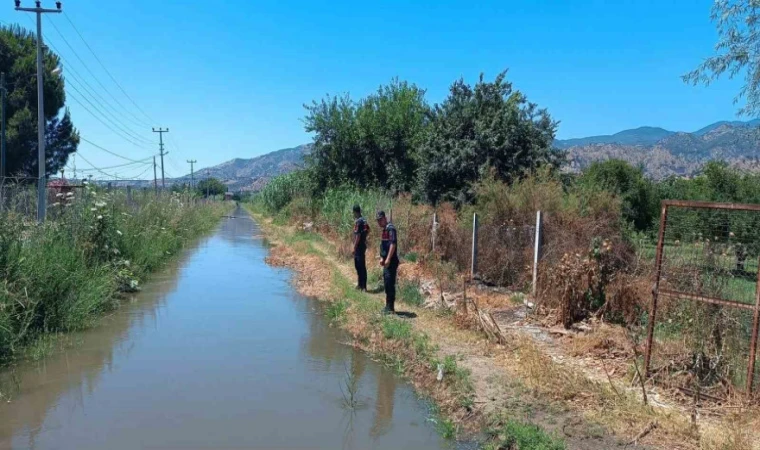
column 648, row 429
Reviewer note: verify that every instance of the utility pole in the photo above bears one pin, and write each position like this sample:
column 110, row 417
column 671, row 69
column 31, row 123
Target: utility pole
column 155, row 178
column 41, row 181
column 2, row 130
column 161, row 132
column 192, row 173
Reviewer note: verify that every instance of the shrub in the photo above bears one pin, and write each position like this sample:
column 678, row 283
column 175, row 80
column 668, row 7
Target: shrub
column 409, row 293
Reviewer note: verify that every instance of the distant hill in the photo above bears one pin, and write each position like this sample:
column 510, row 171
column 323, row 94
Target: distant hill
column 252, row 174
column 637, row 136
column 672, row 153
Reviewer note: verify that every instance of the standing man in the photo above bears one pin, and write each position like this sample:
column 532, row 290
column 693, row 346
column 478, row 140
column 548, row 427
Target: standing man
column 361, row 229
column 388, row 260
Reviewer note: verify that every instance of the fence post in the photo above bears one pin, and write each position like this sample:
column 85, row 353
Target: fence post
column 537, row 244
column 655, row 288
column 474, row 265
column 753, row 339
column 129, row 194
column 435, row 230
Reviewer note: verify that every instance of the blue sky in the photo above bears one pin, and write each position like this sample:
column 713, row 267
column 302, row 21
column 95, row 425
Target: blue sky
column 229, row 78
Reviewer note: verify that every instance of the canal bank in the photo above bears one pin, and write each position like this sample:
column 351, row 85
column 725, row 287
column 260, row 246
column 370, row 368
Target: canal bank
column 217, row 351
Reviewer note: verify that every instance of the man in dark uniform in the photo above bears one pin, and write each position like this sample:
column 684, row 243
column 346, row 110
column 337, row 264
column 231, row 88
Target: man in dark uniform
column 361, row 228
column 388, row 260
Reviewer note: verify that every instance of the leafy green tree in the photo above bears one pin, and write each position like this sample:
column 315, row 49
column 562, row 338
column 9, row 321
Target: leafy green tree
column 638, row 195
column 210, row 187
column 18, row 62
column 477, row 129
column 371, row 142
column 738, row 50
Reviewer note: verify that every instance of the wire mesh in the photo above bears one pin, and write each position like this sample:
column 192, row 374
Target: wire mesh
column 706, row 295
column 505, row 253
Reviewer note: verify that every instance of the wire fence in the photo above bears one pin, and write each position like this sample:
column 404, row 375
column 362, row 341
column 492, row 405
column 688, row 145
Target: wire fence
column 702, row 332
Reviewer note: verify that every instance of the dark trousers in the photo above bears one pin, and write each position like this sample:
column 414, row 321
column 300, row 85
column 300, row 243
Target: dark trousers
column 361, row 270
column 389, row 281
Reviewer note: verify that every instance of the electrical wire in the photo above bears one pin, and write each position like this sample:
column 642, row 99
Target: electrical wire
column 132, row 137
column 104, row 67
column 87, row 68
column 137, row 164
column 101, row 171
column 109, row 151
column 105, row 124
column 75, row 75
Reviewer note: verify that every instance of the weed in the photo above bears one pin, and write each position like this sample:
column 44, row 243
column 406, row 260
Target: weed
column 374, row 276
column 411, row 257
column 397, row 329
column 446, row 428
column 409, row 292
column 523, row 436
column 336, row 311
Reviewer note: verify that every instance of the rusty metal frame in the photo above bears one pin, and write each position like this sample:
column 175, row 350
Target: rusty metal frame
column 657, row 292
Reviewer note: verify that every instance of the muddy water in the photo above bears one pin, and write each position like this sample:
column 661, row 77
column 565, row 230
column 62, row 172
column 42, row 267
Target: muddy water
column 218, row 352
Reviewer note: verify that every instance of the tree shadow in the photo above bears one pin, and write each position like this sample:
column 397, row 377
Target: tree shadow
column 406, row 314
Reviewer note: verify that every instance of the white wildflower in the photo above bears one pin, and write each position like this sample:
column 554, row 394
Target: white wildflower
column 100, row 204
column 100, row 217
column 59, row 195
column 93, row 209
column 55, row 204
column 118, row 232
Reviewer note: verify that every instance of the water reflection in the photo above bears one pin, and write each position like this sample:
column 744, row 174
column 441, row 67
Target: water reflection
column 74, row 372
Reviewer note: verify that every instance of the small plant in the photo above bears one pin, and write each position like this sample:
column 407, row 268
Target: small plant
column 523, row 436
column 396, row 329
column 336, row 311
column 410, row 293
column 411, row 257
column 446, row 428
column 374, row 276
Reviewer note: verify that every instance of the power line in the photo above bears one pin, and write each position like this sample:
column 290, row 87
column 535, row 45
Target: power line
column 90, row 71
column 100, row 170
column 109, row 151
column 105, row 69
column 136, row 164
column 114, row 123
column 73, row 97
column 73, row 74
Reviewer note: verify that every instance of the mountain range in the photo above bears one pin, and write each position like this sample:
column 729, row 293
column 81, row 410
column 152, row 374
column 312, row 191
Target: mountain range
column 664, row 153
column 660, row 152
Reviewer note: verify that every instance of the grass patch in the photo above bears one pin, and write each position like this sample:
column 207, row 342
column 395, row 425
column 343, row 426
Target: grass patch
column 523, row 436
column 411, row 257
column 397, row 329
column 409, row 293
column 336, row 311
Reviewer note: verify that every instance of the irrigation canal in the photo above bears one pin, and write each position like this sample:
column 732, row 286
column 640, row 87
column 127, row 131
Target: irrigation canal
column 218, row 351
